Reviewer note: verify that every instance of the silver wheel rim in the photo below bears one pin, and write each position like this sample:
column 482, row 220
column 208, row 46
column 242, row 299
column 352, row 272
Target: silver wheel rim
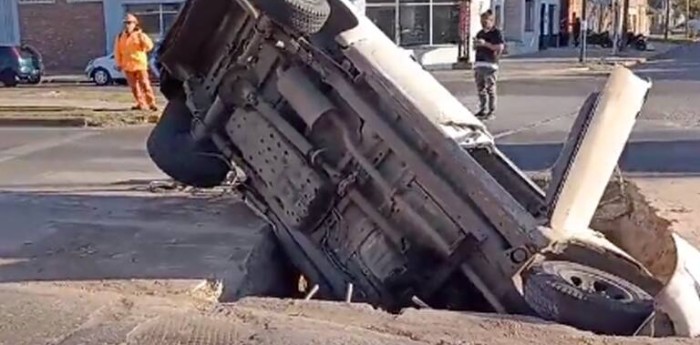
column 101, row 77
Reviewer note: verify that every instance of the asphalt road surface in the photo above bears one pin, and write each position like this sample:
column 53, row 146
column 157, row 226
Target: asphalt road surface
column 534, row 116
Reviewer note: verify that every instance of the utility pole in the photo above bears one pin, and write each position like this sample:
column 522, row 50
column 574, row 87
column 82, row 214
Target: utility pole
column 616, row 27
column 583, row 35
column 668, row 19
column 625, row 24
column 687, row 18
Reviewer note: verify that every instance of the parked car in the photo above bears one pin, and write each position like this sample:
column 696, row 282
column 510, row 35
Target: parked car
column 20, row 64
column 103, row 70
column 377, row 182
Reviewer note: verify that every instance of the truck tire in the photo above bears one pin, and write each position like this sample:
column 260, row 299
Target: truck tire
column 586, row 298
column 172, row 149
column 305, row 16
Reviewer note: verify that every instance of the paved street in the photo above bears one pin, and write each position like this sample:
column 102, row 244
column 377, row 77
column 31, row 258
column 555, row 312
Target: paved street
column 88, row 252
column 534, row 115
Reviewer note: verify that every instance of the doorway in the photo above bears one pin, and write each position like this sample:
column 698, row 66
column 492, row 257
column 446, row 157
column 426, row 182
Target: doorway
column 543, row 26
column 551, row 37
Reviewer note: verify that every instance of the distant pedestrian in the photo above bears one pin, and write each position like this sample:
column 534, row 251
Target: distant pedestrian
column 489, row 45
column 131, row 50
column 564, row 32
column 576, row 30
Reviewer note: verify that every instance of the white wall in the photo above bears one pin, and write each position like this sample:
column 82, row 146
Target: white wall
column 9, row 23
column 477, row 8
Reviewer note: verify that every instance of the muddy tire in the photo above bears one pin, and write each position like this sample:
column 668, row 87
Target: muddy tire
column 172, row 149
column 305, row 16
column 586, row 298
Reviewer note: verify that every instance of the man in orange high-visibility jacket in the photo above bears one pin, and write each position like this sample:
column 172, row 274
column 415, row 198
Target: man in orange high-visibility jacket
column 131, row 50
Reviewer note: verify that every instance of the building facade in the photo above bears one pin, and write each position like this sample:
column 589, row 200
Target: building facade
column 532, row 25
column 154, row 16
column 68, row 33
column 600, row 13
column 71, row 32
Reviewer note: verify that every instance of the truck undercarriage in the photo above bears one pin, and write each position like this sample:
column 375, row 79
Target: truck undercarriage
column 372, row 175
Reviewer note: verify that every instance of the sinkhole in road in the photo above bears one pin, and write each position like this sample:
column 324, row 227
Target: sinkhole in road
column 623, row 216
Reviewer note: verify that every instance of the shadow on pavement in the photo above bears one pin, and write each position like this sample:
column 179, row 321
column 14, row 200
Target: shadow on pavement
column 638, row 157
column 75, row 237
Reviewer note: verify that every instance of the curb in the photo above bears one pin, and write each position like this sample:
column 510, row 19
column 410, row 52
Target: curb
column 68, row 82
column 63, row 122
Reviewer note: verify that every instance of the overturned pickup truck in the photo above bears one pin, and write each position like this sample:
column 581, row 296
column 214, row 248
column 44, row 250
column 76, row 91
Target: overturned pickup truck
column 373, row 176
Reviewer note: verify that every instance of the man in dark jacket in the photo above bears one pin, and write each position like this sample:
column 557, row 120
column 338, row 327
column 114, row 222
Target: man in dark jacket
column 576, row 30
column 489, row 45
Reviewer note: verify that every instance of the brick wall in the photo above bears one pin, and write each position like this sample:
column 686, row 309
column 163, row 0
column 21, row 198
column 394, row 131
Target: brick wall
column 68, row 34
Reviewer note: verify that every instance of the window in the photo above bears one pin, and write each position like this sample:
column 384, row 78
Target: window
column 414, row 24
column 384, row 17
column 499, row 20
column 529, row 15
column 155, row 19
column 445, row 24
column 420, row 22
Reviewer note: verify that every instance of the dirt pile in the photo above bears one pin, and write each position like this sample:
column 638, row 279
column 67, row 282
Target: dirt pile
column 628, row 219
column 275, row 321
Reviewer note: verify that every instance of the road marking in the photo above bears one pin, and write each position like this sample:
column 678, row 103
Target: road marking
column 24, row 150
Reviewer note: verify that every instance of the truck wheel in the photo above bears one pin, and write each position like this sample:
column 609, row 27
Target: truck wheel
column 305, row 16
column 586, row 298
column 172, row 149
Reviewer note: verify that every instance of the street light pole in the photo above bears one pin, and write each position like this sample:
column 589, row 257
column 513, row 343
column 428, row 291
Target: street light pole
column 625, row 24
column 583, row 35
column 668, row 18
column 687, row 18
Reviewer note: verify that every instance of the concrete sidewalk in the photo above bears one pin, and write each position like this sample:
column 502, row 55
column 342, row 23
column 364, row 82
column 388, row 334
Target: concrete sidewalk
column 563, row 63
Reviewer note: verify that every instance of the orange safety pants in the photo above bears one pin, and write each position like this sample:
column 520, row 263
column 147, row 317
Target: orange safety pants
column 140, row 84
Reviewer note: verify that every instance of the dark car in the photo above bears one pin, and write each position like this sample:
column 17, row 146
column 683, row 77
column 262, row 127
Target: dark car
column 20, row 64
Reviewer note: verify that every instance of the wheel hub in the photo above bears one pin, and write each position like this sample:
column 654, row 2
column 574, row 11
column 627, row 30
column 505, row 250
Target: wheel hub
column 100, row 77
column 594, row 284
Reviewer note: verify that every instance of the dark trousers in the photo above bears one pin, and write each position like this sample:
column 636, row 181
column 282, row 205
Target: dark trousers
column 486, row 88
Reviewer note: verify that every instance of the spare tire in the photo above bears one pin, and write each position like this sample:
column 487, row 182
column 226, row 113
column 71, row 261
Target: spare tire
column 305, row 16
column 173, row 150
column 586, row 298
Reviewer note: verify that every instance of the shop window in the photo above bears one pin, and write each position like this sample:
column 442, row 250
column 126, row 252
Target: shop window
column 155, row 19
column 445, row 24
column 414, row 24
column 384, row 17
column 529, row 15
